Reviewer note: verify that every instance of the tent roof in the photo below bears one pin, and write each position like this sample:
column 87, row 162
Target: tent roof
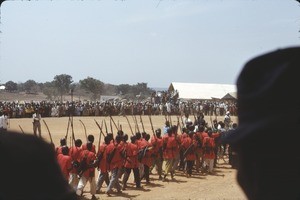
column 230, row 95
column 201, row 90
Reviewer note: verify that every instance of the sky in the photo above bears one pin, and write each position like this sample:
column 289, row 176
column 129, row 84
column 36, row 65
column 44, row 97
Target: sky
column 141, row 41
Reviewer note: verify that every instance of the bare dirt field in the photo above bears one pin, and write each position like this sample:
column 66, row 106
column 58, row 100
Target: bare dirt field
column 222, row 185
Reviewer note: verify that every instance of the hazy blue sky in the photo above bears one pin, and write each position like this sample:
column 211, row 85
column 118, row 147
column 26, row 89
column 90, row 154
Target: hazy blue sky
column 134, row 41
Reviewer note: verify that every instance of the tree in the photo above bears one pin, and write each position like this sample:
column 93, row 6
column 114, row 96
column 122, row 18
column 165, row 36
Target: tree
column 31, row 86
column 62, row 84
column 11, row 86
column 50, row 91
column 123, row 89
column 92, row 85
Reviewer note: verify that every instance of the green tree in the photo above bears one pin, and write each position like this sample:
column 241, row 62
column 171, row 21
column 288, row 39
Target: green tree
column 94, row 86
column 50, row 91
column 31, row 86
column 62, row 84
column 123, row 89
column 11, row 86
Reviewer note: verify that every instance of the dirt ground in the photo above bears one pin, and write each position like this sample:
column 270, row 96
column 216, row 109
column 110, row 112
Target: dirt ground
column 222, row 185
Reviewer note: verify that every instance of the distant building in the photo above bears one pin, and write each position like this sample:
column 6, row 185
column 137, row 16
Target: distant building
column 200, row 91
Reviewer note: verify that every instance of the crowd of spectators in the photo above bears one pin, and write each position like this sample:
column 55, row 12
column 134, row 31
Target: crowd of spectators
column 157, row 104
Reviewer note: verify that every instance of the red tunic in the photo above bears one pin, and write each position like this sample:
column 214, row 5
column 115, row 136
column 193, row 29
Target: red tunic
column 117, row 160
column 171, row 147
column 131, row 153
column 90, row 158
column 208, row 148
column 85, row 148
column 58, row 150
column 65, row 163
column 146, row 160
column 103, row 162
column 75, row 152
column 186, row 143
column 157, row 145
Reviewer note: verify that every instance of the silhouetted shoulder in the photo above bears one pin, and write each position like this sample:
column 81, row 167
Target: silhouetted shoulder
column 30, row 170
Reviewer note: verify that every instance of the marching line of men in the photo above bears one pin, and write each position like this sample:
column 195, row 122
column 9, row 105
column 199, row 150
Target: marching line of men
column 115, row 159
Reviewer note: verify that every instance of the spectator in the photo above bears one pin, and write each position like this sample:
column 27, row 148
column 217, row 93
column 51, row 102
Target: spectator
column 268, row 154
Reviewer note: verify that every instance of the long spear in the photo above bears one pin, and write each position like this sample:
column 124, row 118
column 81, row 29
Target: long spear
column 106, row 131
column 21, row 129
column 136, row 124
column 66, row 136
column 178, row 124
column 48, row 131
column 151, row 124
column 111, row 129
column 114, row 122
column 129, row 125
column 101, row 132
column 142, row 123
column 84, row 128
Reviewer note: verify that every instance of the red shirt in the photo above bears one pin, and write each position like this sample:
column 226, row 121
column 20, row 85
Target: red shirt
column 157, row 145
column 208, row 148
column 75, row 152
column 146, row 160
column 65, row 163
column 58, row 150
column 85, row 148
column 103, row 162
column 186, row 143
column 90, row 158
column 116, row 161
column 171, row 147
column 131, row 153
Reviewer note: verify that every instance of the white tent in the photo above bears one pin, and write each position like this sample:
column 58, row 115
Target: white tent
column 203, row 91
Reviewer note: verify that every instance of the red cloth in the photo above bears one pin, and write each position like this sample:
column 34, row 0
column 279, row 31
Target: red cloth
column 209, row 144
column 156, row 144
column 146, row 160
column 186, row 143
column 58, row 150
column 171, row 147
column 131, row 152
column 65, row 163
column 90, row 158
column 103, row 162
column 117, row 160
column 75, row 152
column 84, row 147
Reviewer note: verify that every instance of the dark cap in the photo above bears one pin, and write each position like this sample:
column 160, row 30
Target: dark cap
column 266, row 95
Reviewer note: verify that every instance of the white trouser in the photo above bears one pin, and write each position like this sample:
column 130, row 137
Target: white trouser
column 73, row 180
column 82, row 183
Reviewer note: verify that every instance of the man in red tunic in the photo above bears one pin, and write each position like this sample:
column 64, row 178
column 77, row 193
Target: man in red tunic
column 75, row 152
column 131, row 163
column 156, row 142
column 189, row 145
column 145, row 145
column 65, row 162
column 62, row 142
column 90, row 139
column 87, row 164
column 102, row 164
column 115, row 162
column 208, row 152
column 170, row 147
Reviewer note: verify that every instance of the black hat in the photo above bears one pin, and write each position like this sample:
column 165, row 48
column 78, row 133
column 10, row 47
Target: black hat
column 267, row 102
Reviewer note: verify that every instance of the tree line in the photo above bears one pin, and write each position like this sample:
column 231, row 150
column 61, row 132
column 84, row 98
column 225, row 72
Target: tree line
column 92, row 88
